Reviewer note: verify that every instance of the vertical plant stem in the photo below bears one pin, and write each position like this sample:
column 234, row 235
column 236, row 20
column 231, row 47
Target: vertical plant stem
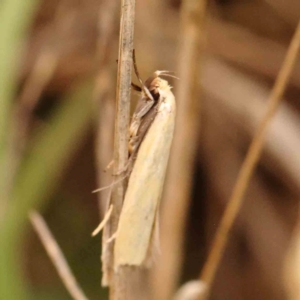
column 179, row 179
column 236, row 200
column 120, row 282
column 123, row 103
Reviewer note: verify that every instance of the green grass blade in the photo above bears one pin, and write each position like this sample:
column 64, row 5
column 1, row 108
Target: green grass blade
column 38, row 177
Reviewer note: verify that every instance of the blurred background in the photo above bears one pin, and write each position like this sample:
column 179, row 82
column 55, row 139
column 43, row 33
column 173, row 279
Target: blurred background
column 58, row 65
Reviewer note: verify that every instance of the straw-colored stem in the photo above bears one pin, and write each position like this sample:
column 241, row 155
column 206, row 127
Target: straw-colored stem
column 236, row 200
column 55, row 254
column 123, row 103
column 121, row 283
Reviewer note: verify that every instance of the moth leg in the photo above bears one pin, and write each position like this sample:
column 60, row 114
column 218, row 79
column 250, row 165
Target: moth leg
column 109, row 166
column 104, row 221
column 142, row 110
column 112, row 238
column 123, row 170
column 128, row 167
column 144, row 88
column 136, row 87
column 111, row 185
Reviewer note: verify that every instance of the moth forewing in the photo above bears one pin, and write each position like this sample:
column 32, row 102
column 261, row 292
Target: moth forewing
column 138, row 217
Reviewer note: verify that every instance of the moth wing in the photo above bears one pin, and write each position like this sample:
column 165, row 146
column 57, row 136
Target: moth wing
column 143, row 106
column 144, row 124
column 145, row 188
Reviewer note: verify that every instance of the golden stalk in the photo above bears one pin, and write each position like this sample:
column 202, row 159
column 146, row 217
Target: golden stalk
column 236, row 200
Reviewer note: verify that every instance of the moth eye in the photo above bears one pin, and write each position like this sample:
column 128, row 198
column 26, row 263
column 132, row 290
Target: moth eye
column 155, row 95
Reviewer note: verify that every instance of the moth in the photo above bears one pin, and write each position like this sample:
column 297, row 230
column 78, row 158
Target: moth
column 150, row 137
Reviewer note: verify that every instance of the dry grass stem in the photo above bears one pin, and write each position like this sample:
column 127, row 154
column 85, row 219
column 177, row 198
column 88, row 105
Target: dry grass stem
column 56, row 256
column 123, row 102
column 269, row 227
column 249, row 164
column 180, row 173
column 120, row 282
column 243, row 101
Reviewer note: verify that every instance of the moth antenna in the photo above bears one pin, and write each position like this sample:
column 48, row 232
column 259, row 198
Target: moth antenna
column 158, row 72
column 166, row 73
column 144, row 88
column 110, row 185
column 169, row 75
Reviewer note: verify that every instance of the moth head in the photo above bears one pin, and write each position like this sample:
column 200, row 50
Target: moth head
column 156, row 85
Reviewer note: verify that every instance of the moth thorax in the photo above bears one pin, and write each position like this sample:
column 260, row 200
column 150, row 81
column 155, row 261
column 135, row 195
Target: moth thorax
column 156, row 85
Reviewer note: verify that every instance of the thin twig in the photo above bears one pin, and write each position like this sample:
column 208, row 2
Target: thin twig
column 179, row 179
column 259, row 218
column 123, row 104
column 236, row 200
column 243, row 101
column 56, row 256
